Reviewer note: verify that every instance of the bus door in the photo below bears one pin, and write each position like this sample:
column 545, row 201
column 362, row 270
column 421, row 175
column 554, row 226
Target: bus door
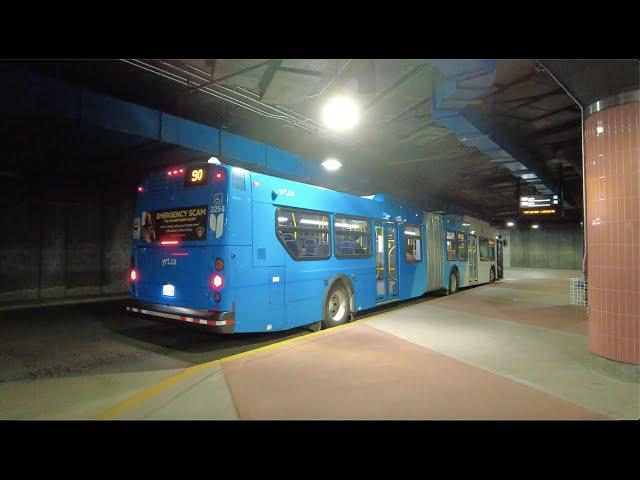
column 473, row 259
column 386, row 261
column 499, row 247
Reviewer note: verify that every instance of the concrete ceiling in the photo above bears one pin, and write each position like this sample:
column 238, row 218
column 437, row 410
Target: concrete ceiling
column 398, row 147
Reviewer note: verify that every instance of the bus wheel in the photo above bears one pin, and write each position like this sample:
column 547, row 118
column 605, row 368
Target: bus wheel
column 492, row 275
column 453, row 282
column 337, row 308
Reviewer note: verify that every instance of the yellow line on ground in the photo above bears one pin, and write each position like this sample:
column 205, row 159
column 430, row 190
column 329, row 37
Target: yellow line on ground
column 283, row 342
column 150, row 392
column 156, row 388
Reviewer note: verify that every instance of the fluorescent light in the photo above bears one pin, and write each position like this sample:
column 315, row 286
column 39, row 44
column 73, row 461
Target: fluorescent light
column 308, row 221
column 535, row 225
column 510, row 224
column 465, row 224
column 340, row 113
column 283, row 219
column 331, row 164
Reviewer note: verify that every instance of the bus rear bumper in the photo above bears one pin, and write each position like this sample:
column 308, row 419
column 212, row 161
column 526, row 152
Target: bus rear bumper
column 220, row 322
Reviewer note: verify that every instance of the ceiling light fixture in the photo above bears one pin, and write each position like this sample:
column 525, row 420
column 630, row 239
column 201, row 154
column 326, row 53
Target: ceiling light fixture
column 331, row 164
column 340, row 113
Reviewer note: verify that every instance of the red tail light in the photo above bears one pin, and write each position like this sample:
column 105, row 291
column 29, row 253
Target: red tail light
column 217, row 281
column 175, row 171
column 133, row 275
column 218, row 175
column 169, row 242
column 140, row 188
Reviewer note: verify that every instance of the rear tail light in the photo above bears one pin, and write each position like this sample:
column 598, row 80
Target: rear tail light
column 218, row 175
column 217, row 281
column 219, row 264
column 169, row 242
column 140, row 189
column 133, row 275
column 175, row 171
column 217, row 297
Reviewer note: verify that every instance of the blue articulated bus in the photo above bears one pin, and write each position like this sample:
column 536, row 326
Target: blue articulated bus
column 241, row 251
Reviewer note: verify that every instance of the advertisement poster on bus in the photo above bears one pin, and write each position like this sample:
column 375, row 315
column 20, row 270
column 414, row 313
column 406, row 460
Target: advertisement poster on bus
column 181, row 224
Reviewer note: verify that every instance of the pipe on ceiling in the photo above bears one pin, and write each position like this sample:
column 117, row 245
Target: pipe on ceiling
column 239, row 96
column 221, row 95
column 542, row 67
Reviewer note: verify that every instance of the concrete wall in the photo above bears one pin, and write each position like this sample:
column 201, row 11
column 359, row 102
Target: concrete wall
column 551, row 246
column 70, row 245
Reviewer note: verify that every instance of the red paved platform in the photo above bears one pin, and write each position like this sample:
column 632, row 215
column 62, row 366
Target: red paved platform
column 361, row 372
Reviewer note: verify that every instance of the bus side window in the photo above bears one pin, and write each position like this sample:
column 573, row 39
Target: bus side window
column 412, row 244
column 304, row 234
column 451, row 246
column 463, row 254
column 352, row 237
column 487, row 249
column 492, row 249
column 238, row 181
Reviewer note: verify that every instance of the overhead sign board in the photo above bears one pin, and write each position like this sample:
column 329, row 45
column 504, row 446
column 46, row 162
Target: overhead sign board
column 537, row 205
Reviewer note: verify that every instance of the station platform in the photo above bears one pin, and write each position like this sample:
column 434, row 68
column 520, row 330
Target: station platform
column 515, row 349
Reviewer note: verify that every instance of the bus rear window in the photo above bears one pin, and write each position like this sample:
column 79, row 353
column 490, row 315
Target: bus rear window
column 304, row 234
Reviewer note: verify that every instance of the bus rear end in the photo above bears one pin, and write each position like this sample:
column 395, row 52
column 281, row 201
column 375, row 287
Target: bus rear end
column 178, row 255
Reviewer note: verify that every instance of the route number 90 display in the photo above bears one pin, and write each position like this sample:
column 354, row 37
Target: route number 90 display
column 196, row 176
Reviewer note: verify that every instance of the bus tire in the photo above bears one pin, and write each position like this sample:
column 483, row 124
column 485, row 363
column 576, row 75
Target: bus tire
column 492, row 275
column 337, row 308
column 453, row 282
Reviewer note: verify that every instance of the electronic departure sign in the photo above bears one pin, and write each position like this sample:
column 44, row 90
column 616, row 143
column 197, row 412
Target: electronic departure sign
column 196, row 176
column 535, row 205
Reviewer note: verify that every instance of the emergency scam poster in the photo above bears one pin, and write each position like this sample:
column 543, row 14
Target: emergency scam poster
column 182, row 224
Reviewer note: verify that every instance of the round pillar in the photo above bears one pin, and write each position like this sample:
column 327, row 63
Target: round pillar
column 612, row 184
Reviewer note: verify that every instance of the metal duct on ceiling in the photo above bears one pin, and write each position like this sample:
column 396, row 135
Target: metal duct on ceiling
column 465, row 82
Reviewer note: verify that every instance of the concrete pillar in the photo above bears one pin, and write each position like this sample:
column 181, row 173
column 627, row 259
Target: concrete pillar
column 612, row 176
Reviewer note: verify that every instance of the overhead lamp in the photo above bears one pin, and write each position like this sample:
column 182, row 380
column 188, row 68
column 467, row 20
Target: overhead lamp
column 214, row 160
column 535, row 226
column 340, row 113
column 510, row 224
column 331, row 164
